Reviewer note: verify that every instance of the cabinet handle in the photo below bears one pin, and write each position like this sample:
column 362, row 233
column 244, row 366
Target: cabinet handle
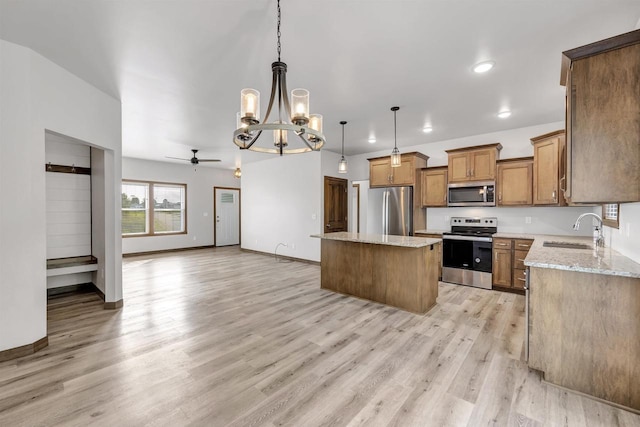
column 564, row 190
column 553, row 195
column 524, row 280
column 521, row 260
column 500, row 244
column 523, row 245
column 500, row 197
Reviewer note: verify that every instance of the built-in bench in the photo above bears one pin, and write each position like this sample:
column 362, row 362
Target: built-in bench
column 71, row 265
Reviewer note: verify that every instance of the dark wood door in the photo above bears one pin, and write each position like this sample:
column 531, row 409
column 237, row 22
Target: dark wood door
column 335, row 204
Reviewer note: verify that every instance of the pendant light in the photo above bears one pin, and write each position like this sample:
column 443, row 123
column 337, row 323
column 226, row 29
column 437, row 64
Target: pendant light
column 395, row 153
column 237, row 173
column 290, row 117
column 342, row 166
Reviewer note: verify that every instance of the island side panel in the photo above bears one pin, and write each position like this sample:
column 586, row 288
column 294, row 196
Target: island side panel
column 585, row 330
column 399, row 276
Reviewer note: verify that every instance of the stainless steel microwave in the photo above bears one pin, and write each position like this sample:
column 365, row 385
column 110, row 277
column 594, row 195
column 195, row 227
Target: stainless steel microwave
column 479, row 193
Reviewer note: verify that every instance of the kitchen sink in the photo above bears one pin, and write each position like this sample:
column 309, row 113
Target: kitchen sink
column 566, row 245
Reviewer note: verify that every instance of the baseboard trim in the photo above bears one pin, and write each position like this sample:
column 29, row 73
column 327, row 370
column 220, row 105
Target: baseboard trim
column 164, row 251
column 24, row 350
column 74, row 289
column 114, row 305
column 588, row 396
column 288, row 258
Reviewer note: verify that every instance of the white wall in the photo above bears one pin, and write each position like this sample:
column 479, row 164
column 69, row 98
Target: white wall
column 281, row 203
column 625, row 239
column 36, row 95
column 200, row 181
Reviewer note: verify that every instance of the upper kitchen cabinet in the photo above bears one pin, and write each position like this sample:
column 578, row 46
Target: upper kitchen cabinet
column 381, row 174
column 514, row 183
column 603, row 120
column 434, row 187
column 549, row 160
column 473, row 163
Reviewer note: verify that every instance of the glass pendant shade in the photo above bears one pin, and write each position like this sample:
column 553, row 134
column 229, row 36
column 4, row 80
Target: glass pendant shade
column 300, row 106
column 342, row 166
column 395, row 158
column 249, row 105
column 237, row 173
column 315, row 122
column 280, row 137
column 239, row 122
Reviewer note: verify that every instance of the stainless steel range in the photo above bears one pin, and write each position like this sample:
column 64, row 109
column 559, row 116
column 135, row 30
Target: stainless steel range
column 466, row 251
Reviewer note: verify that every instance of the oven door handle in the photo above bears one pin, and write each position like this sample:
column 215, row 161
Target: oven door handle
column 467, row 238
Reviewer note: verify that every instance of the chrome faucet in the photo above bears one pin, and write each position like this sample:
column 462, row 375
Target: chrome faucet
column 598, row 238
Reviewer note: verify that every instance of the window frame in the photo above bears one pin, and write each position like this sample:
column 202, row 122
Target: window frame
column 613, row 223
column 151, row 209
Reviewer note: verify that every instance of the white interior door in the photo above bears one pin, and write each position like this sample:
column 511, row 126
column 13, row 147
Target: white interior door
column 227, row 216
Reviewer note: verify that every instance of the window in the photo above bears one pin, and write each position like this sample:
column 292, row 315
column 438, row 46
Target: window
column 610, row 215
column 165, row 215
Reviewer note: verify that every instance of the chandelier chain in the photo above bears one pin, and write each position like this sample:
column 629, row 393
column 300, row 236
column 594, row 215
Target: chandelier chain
column 278, row 32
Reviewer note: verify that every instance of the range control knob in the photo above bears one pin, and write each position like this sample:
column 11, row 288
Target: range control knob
column 477, row 260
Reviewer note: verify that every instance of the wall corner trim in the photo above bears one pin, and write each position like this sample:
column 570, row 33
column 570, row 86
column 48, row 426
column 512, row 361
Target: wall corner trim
column 114, row 305
column 25, row 350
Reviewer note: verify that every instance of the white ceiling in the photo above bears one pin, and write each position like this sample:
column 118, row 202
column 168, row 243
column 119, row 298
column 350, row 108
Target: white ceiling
column 178, row 66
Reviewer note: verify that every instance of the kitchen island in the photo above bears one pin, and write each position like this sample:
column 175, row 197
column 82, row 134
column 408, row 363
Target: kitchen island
column 394, row 270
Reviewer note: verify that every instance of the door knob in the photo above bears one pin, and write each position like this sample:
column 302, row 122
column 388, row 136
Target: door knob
column 328, row 225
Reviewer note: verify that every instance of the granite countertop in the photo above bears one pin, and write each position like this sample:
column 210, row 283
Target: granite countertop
column 520, row 236
column 379, row 239
column 438, row 232
column 603, row 261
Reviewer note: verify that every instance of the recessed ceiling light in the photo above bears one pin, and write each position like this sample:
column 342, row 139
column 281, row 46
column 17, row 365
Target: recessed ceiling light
column 372, row 140
column 427, row 129
column 483, row 67
column 504, row 114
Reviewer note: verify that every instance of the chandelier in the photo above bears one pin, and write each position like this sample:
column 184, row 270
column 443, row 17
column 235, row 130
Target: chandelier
column 291, row 117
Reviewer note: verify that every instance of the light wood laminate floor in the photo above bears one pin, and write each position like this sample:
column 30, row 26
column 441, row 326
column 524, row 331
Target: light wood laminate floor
column 220, row 337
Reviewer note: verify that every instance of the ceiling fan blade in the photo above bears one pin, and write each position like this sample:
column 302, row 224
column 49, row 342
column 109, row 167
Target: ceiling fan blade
column 177, row 158
column 209, row 160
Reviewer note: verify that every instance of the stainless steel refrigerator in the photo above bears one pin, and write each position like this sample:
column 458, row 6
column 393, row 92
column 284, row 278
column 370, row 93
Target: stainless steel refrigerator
column 390, row 211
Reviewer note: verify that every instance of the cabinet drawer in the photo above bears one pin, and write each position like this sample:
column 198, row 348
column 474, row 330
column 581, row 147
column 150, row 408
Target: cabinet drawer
column 502, row 243
column 519, row 278
column 523, row 245
column 518, row 259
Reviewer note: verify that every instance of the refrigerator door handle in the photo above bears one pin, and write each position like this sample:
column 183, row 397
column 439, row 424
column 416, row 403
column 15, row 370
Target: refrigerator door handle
column 385, row 227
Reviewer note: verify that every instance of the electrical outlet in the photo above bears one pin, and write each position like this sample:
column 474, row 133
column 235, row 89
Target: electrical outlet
column 292, row 245
column 447, row 219
column 527, row 220
column 314, row 217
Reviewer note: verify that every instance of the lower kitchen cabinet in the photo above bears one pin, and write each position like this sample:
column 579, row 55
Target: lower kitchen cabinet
column 439, row 255
column 508, row 269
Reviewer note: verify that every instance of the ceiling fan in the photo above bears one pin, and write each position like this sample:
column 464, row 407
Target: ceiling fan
column 194, row 160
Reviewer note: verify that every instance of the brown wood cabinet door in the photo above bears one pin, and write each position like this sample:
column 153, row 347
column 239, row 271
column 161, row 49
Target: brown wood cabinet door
column 483, row 165
column 605, row 127
column 502, row 267
column 545, row 172
column 459, row 167
column 335, row 204
column 434, row 188
column 515, row 183
column 403, row 174
column 380, row 173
